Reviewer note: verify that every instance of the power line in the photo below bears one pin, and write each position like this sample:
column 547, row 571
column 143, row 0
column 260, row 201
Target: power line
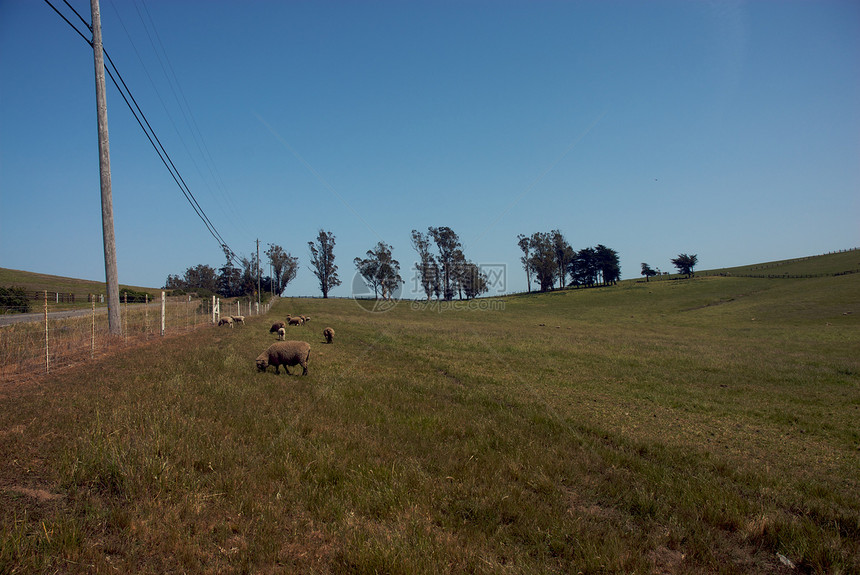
column 151, row 136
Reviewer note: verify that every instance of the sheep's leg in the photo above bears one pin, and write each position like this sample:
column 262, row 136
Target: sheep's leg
column 304, row 364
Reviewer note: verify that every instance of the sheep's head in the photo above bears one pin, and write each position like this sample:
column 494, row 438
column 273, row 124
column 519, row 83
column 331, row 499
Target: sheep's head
column 262, row 364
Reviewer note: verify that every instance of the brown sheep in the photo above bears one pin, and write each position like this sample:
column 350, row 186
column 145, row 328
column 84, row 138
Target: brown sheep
column 285, row 353
column 226, row 321
column 295, row 320
column 282, row 334
column 238, row 318
column 276, row 326
column 328, row 333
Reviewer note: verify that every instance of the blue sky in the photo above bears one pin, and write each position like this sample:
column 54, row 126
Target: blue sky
column 730, row 130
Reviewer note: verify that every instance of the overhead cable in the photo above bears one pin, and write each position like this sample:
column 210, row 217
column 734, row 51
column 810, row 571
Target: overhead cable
column 151, row 135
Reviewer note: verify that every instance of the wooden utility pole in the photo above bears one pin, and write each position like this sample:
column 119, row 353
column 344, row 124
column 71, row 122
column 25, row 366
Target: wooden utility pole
column 259, row 273
column 111, row 275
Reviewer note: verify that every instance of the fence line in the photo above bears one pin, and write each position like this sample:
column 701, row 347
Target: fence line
column 73, row 337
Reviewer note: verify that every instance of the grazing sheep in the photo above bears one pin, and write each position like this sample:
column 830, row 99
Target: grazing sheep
column 295, row 320
column 238, row 318
column 328, row 333
column 276, row 326
column 226, row 321
column 282, row 334
column 285, row 353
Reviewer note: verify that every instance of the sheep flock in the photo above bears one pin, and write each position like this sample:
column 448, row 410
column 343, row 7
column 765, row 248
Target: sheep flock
column 283, row 352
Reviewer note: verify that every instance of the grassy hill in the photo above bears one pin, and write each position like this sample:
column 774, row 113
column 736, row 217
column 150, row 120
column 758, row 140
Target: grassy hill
column 829, row 264
column 702, row 425
column 34, row 282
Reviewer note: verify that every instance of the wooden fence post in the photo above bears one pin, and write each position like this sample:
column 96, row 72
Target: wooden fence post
column 163, row 310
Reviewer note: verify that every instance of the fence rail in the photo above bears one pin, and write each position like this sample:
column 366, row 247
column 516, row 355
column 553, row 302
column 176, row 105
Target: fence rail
column 62, row 338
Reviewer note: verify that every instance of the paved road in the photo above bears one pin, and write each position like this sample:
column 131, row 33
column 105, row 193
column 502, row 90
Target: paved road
column 12, row 318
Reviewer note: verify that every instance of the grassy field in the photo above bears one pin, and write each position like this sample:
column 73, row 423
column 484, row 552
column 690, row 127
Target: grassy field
column 692, row 426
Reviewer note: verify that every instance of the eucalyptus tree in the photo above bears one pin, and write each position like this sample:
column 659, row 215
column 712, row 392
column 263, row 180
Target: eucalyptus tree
column 284, row 267
column 525, row 245
column 427, row 268
column 563, row 255
column 542, row 259
column 322, row 261
column 447, row 242
column 473, row 280
column 229, row 277
column 380, row 271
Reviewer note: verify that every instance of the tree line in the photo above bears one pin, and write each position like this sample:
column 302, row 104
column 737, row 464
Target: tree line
column 549, row 259
column 443, row 273
column 442, row 269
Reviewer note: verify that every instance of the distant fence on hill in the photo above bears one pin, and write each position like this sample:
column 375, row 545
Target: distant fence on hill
column 748, row 272
column 58, row 337
column 783, row 276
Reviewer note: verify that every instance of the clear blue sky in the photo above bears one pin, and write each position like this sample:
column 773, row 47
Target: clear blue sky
column 730, row 130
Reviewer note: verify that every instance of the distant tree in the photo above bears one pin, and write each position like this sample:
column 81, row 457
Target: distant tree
column 685, row 264
column 229, row 277
column 608, row 264
column 473, row 280
column 458, row 271
column 248, row 281
column 174, row 282
column 198, row 278
column 525, row 245
column 201, row 277
column 380, row 271
column 583, row 267
column 648, row 272
column 322, row 261
column 284, row 267
column 447, row 242
column 428, row 270
column 563, row 255
column 542, row 260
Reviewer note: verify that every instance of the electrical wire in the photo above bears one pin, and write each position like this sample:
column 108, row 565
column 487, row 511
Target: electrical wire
column 151, row 135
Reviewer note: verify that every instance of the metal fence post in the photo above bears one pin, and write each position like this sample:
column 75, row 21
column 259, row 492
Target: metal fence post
column 47, row 354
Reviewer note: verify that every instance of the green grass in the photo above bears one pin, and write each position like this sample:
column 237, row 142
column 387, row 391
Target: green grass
column 703, row 425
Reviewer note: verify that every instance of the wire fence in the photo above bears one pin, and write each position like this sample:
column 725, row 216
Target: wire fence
column 60, row 337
